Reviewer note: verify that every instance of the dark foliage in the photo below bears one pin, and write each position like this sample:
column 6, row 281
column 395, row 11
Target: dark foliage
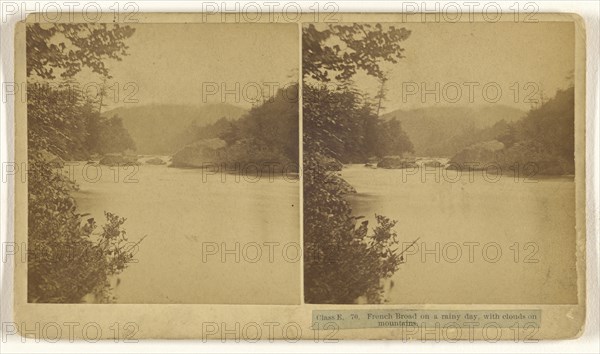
column 67, row 124
column 544, row 139
column 268, row 134
column 342, row 260
column 68, row 257
column 362, row 47
column 86, row 45
column 108, row 135
column 347, row 128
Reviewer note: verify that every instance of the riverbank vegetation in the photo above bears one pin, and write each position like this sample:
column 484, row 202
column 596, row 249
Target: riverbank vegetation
column 267, row 137
column 358, row 132
column 69, row 257
column 69, row 125
column 544, row 138
column 541, row 143
column 344, row 260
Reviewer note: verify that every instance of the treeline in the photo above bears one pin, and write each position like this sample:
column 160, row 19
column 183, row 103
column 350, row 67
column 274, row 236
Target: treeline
column 267, row 134
column 69, row 124
column 542, row 142
column 545, row 137
column 358, row 132
column 444, row 131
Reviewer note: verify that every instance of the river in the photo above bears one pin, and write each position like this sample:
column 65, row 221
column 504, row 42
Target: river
column 482, row 238
column 246, row 229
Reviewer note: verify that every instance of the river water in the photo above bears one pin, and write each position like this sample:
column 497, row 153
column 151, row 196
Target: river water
column 222, row 238
column 218, row 240
column 482, row 238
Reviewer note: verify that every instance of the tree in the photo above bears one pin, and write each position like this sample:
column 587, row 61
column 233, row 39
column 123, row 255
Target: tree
column 552, row 124
column 56, row 120
column 381, row 93
column 68, row 257
column 87, row 45
column 544, row 140
column 332, row 121
column 346, row 125
column 108, row 135
column 266, row 135
column 361, row 47
column 391, row 139
column 343, row 261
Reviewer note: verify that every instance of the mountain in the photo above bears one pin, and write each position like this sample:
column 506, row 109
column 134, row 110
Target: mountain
column 164, row 129
column 444, row 131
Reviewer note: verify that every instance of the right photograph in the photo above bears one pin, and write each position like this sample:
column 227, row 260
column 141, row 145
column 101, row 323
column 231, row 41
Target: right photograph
column 439, row 163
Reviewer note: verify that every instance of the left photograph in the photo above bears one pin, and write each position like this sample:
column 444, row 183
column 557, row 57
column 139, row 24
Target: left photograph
column 163, row 163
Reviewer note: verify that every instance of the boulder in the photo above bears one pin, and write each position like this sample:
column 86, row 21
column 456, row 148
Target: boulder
column 373, row 160
column 198, row 154
column 112, row 160
column 155, row 161
column 477, row 155
column 433, row 163
column 116, row 159
column 397, row 162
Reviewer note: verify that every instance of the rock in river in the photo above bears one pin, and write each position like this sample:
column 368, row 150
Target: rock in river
column 117, row 159
column 477, row 155
column 198, row 154
column 155, row 161
column 397, row 162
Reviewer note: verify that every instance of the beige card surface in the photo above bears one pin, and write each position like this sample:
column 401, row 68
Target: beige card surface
column 364, row 176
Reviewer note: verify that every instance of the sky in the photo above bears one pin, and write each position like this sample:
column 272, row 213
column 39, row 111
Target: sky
column 458, row 63
column 195, row 63
column 463, row 58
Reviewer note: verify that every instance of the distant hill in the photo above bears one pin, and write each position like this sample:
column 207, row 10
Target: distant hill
column 444, row 131
column 164, row 129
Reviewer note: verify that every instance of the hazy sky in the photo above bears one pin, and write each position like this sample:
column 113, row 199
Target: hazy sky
column 192, row 63
column 498, row 54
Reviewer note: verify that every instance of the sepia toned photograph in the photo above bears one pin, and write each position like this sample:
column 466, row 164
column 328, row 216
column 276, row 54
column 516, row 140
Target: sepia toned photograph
column 439, row 163
column 222, row 177
column 163, row 163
